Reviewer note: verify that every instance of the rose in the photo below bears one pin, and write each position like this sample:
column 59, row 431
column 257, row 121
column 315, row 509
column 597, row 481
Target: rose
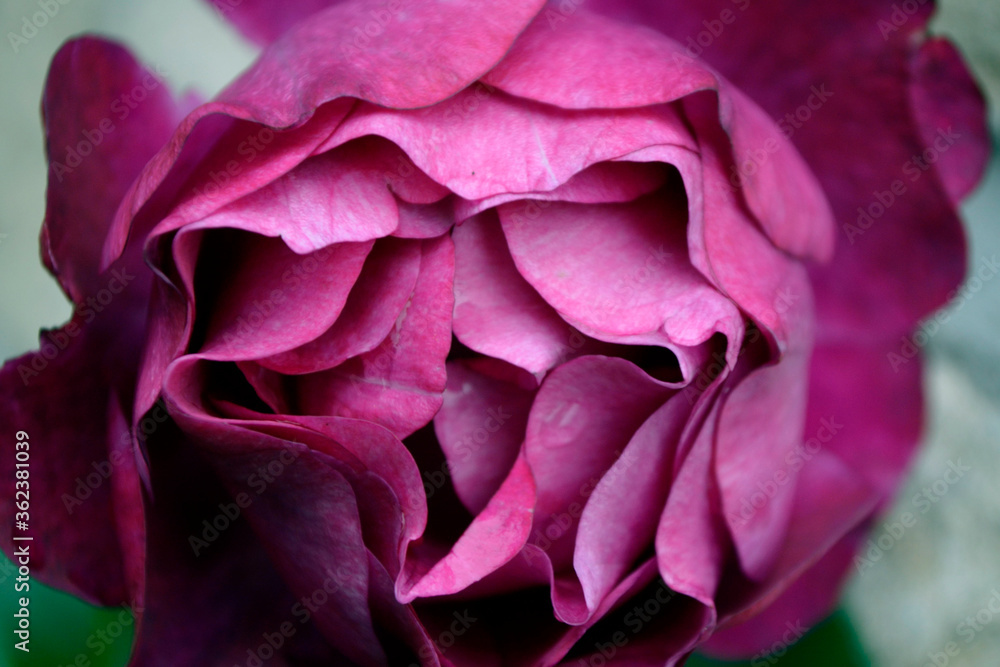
column 644, row 429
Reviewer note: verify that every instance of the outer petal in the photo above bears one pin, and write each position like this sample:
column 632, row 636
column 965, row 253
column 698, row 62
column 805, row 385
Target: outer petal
column 639, row 68
column 75, row 396
column 65, row 412
column 862, row 139
column 232, row 574
column 317, row 62
column 96, row 146
column 946, row 96
column 828, row 521
column 264, row 21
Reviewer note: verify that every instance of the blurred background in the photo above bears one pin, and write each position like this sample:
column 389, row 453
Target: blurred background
column 901, row 612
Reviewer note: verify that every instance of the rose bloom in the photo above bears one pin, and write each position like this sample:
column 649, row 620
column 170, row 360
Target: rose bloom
column 490, row 333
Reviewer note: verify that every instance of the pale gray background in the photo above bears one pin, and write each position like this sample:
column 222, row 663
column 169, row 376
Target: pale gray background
column 909, row 604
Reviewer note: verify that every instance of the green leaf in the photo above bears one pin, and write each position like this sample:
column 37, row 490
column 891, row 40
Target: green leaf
column 63, row 628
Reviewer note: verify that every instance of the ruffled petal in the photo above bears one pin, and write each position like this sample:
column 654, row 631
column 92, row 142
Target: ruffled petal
column 315, row 63
column 105, row 116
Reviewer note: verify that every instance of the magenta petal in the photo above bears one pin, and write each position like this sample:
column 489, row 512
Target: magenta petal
column 830, row 503
column 96, row 147
column 509, row 145
column 398, row 384
column 640, row 68
column 691, row 539
column 494, row 537
column 263, row 21
column 951, row 111
column 336, row 197
column 232, row 574
column 273, row 300
column 309, row 523
column 72, row 519
column 424, row 221
column 584, row 416
column 622, row 514
column 870, row 75
column 601, row 183
column 620, row 270
column 738, row 259
column 497, row 312
column 873, row 426
column 481, row 424
column 212, row 162
column 372, row 308
column 315, row 63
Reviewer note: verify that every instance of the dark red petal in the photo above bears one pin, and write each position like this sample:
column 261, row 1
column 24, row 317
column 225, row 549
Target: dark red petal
column 105, row 116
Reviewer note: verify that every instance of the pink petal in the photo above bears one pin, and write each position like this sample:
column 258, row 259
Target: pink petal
column 424, row 221
column 584, row 416
column 691, row 538
column 622, row 514
column 315, row 63
column 96, row 146
column 399, row 383
column 497, row 312
column 639, row 68
column 494, row 537
column 509, row 145
column 601, row 183
column 481, row 425
column 264, row 21
column 269, row 299
column 951, row 111
column 375, row 302
column 620, row 272
column 336, row 197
